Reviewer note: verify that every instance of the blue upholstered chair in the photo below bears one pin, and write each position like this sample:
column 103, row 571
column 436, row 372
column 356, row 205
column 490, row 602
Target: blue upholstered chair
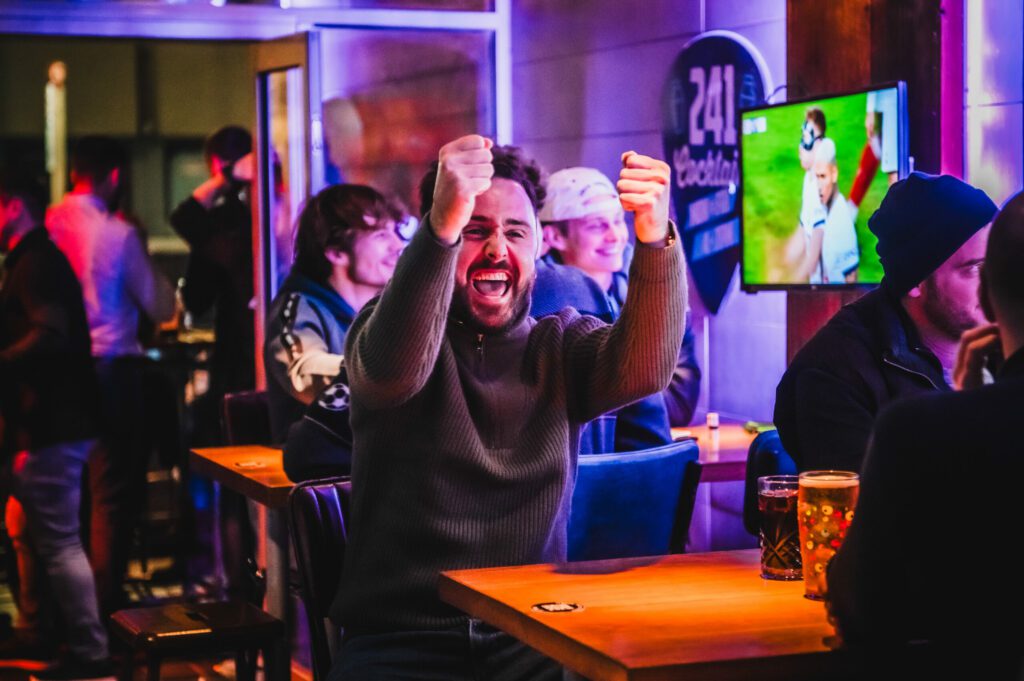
column 766, row 456
column 633, row 503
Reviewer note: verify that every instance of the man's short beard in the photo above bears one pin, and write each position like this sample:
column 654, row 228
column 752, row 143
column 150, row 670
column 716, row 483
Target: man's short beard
column 946, row 315
column 520, row 308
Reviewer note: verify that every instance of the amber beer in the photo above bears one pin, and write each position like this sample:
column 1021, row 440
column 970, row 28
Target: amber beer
column 824, row 511
column 780, row 539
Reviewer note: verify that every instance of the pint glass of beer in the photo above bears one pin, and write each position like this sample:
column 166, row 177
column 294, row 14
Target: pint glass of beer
column 780, row 539
column 824, row 512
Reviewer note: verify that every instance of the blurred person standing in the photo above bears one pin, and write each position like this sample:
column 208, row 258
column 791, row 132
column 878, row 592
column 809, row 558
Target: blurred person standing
column 49, row 405
column 120, row 285
column 216, row 222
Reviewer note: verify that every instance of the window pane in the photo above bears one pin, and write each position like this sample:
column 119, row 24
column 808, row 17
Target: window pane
column 393, row 97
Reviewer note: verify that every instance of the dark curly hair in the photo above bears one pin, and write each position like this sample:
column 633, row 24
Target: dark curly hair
column 509, row 163
column 331, row 219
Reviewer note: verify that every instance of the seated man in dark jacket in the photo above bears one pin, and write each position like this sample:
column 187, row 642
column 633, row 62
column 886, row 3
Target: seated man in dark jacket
column 940, row 481
column 898, row 340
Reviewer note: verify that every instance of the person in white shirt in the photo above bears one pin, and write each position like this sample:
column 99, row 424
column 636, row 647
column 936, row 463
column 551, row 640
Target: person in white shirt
column 120, row 284
column 839, row 257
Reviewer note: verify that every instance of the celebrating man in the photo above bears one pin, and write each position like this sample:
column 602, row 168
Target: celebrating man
column 466, row 412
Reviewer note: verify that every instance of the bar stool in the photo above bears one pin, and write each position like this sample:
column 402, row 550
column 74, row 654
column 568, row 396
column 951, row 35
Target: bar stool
column 180, row 629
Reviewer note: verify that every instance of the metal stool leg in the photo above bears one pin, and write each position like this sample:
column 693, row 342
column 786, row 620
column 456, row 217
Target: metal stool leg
column 153, row 668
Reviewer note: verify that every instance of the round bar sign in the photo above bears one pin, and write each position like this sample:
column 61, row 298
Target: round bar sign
column 714, row 75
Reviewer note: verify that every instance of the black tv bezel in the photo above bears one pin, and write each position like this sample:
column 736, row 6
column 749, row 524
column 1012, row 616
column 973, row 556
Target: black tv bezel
column 903, row 145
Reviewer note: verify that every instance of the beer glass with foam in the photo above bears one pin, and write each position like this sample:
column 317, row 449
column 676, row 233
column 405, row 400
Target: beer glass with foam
column 825, row 505
column 780, row 539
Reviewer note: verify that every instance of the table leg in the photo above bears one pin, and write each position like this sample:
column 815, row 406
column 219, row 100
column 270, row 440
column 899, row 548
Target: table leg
column 277, row 589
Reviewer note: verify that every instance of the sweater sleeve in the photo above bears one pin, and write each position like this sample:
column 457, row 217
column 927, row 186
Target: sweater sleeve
column 394, row 342
column 684, row 390
column 610, row 366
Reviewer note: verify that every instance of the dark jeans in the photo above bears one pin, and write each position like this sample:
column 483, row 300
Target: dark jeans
column 48, row 485
column 472, row 651
column 117, row 476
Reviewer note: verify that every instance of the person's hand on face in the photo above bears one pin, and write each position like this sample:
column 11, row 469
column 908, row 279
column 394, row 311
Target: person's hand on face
column 244, row 168
column 464, row 172
column 644, row 189
column 976, row 345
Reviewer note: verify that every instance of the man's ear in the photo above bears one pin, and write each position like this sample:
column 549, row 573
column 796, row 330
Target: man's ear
column 337, row 257
column 554, row 238
column 115, row 177
column 984, row 298
column 917, row 291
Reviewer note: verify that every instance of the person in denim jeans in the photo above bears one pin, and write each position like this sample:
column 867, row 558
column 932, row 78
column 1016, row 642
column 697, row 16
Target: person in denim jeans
column 48, row 398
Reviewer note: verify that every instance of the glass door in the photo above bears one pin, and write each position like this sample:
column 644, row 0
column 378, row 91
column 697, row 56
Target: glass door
column 368, row 96
column 289, row 156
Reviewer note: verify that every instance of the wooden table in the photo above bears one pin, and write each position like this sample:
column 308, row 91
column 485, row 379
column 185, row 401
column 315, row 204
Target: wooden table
column 699, row 616
column 258, row 473
column 726, row 462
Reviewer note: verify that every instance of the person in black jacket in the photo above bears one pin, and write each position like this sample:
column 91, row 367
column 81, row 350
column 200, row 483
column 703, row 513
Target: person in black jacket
column 217, row 224
column 49, row 400
column 898, row 340
column 939, row 494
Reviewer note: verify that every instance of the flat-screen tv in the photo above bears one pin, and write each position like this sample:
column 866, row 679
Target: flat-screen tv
column 813, row 171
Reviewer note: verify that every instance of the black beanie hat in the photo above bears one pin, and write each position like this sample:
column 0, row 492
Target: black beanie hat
column 921, row 222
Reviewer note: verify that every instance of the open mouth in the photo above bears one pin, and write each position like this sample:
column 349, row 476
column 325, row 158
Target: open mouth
column 492, row 283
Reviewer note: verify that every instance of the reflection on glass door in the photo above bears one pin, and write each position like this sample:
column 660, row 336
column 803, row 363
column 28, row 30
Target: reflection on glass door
column 288, row 152
column 285, row 169
column 392, row 97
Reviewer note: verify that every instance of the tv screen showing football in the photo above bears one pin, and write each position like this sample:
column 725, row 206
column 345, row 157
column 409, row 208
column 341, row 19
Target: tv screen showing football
column 813, row 172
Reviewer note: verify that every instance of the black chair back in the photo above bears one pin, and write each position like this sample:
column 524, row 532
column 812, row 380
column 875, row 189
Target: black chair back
column 766, row 456
column 633, row 503
column 317, row 511
column 246, row 418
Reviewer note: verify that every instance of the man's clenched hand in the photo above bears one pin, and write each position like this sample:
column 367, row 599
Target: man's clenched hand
column 643, row 189
column 464, row 172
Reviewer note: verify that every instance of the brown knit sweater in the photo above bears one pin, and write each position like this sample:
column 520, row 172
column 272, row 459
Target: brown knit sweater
column 465, row 444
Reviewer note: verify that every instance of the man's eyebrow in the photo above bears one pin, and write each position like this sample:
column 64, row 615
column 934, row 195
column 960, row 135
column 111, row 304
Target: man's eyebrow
column 517, row 221
column 482, row 218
